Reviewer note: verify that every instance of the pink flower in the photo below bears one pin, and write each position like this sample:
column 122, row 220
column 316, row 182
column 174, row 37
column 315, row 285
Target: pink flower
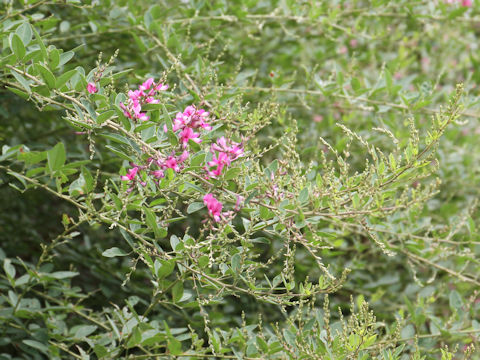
column 146, row 85
column 158, row 174
column 142, row 116
column 135, row 96
column 466, row 3
column 151, row 100
column 214, row 206
column 145, row 94
column 179, row 122
column 161, row 87
column 91, row 88
column 224, row 152
column 172, row 163
column 191, row 117
column 234, row 150
column 219, row 161
column 239, row 202
column 130, row 175
column 189, row 134
column 184, row 156
column 198, row 119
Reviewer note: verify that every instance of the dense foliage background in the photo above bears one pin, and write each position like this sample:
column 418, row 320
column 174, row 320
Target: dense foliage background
column 349, row 224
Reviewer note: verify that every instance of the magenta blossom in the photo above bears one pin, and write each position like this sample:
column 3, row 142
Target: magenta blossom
column 92, row 88
column 188, row 134
column 466, row 3
column 172, row 162
column 191, row 117
column 234, row 150
column 146, row 85
column 130, row 175
column 224, row 152
column 239, row 202
column 145, row 94
column 219, row 161
column 158, row 174
column 161, row 87
column 214, row 206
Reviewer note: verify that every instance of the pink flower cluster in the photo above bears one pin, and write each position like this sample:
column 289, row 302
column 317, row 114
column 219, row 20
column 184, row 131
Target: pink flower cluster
column 189, row 120
column 214, row 206
column 187, row 126
column 184, row 124
column 155, row 168
column 92, row 88
column 466, row 3
column 224, row 152
column 137, row 98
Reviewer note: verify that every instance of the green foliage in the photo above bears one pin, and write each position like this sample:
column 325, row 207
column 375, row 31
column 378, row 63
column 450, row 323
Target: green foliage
column 348, row 228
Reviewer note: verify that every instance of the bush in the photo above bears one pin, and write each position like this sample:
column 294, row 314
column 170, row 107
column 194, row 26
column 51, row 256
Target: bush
column 255, row 179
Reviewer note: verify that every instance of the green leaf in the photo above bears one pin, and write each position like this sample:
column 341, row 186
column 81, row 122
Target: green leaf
column 120, row 153
column 89, row 181
column 151, row 220
column 84, row 331
column 46, row 75
column 236, row 259
column 114, row 252
column 232, row 173
column 356, row 86
column 389, row 81
column 135, row 338
column 100, row 350
column 174, row 346
column 290, row 338
column 32, row 157
column 177, row 291
column 407, row 332
column 64, row 26
column 65, row 57
column 455, row 300
column 18, row 92
column 40, row 43
column 37, row 345
column 195, row 206
column 54, row 59
column 203, row 261
column 22, row 81
column 457, row 12
column 197, row 160
column 194, row 187
column 303, row 197
column 262, row 344
column 174, row 241
column 62, row 79
column 105, row 116
column 166, row 268
column 62, row 274
column 9, row 269
column 17, row 47
column 25, row 33
column 56, row 157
